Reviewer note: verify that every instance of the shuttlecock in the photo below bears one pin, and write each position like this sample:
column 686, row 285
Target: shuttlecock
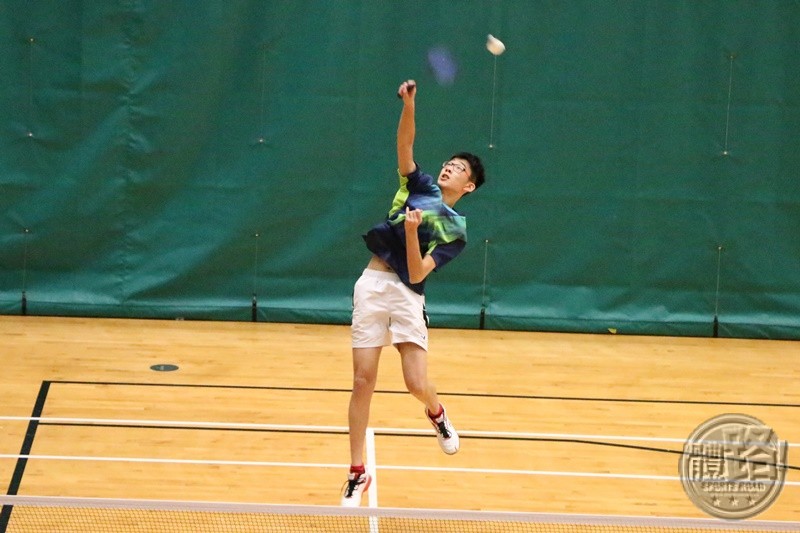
column 495, row 45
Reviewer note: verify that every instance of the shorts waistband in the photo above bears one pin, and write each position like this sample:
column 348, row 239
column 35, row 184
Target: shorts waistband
column 380, row 274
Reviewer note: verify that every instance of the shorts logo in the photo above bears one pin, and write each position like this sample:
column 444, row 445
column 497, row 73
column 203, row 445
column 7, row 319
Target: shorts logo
column 733, row 466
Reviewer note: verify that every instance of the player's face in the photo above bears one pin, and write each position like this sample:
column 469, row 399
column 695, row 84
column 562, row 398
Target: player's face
column 455, row 176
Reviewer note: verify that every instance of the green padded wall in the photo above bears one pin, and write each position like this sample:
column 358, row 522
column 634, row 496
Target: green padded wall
column 174, row 159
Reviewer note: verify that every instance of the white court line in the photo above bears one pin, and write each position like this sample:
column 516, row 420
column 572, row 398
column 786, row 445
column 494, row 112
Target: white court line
column 333, row 465
column 372, row 492
column 372, row 464
column 339, row 429
column 342, row 429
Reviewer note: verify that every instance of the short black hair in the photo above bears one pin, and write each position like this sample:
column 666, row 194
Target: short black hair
column 478, row 175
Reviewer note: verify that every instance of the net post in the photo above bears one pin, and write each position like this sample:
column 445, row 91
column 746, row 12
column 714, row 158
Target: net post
column 24, row 301
column 482, row 317
column 254, row 303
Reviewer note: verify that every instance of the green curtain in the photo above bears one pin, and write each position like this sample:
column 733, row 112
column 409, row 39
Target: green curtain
column 179, row 159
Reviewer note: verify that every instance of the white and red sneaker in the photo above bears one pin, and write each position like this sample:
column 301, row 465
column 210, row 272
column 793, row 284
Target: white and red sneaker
column 445, row 432
column 354, row 487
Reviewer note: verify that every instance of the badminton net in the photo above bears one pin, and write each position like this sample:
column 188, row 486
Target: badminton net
column 43, row 514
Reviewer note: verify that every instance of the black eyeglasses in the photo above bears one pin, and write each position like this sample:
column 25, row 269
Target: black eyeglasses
column 458, row 167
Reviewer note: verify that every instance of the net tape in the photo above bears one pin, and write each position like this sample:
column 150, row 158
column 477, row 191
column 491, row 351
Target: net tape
column 54, row 513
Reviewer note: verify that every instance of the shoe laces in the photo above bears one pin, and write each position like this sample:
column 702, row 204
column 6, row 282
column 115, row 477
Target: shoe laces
column 442, row 427
column 352, row 484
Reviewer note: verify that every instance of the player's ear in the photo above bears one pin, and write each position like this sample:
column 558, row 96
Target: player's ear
column 469, row 187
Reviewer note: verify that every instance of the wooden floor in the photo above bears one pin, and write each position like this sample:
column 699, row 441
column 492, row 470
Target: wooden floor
column 257, row 413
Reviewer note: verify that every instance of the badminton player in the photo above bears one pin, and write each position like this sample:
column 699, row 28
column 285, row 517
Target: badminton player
column 421, row 233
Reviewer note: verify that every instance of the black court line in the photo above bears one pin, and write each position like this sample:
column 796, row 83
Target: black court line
column 27, row 446
column 453, row 394
column 560, row 440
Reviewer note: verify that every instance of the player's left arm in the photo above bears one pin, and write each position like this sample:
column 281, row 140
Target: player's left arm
column 418, row 266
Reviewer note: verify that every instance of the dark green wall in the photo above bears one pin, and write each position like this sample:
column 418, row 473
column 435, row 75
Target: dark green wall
column 145, row 144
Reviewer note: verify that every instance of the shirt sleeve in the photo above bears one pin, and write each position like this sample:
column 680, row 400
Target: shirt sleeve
column 444, row 253
column 421, row 183
column 417, row 183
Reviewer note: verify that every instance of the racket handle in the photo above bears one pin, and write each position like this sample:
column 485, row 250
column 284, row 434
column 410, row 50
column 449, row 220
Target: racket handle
column 410, row 87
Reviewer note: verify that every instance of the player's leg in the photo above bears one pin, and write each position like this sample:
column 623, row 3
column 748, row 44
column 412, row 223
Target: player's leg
column 409, row 327
column 365, row 375
column 415, row 373
column 414, row 360
column 370, row 332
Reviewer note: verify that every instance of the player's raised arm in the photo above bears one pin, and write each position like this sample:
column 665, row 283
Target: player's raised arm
column 406, row 129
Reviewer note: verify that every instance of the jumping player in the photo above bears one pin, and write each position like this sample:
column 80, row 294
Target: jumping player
column 421, row 233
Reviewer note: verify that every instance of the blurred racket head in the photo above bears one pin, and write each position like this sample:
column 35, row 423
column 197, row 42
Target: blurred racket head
column 443, row 65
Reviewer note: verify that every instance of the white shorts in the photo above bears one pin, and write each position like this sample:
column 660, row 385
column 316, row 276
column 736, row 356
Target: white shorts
column 386, row 312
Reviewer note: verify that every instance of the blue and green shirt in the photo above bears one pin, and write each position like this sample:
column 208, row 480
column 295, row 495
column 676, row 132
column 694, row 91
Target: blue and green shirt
column 442, row 234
